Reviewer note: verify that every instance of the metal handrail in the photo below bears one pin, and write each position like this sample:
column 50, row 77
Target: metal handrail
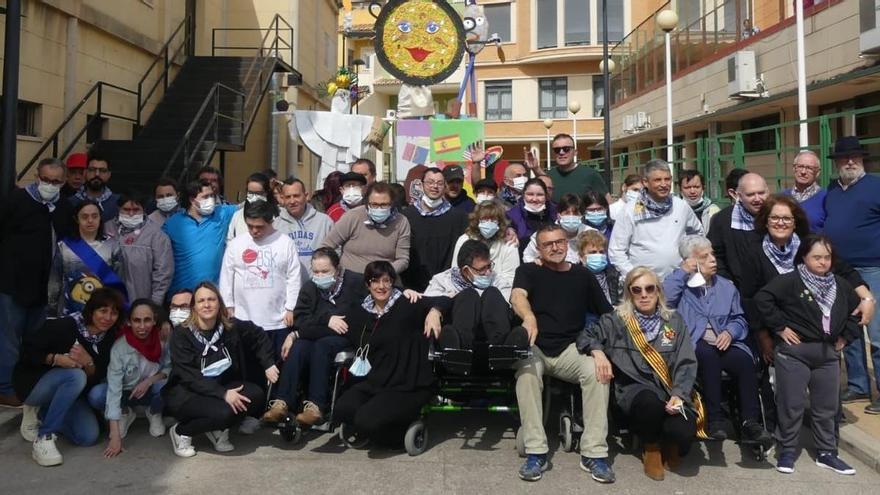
column 168, row 62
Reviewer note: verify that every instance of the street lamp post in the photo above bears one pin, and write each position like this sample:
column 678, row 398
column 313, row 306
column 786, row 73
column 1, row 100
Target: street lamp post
column 607, row 67
column 667, row 20
column 574, row 107
column 357, row 63
column 548, row 123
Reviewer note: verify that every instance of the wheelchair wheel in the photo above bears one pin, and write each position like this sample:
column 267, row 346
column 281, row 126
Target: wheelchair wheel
column 520, row 442
column 350, row 438
column 416, row 439
column 566, row 438
column 291, row 432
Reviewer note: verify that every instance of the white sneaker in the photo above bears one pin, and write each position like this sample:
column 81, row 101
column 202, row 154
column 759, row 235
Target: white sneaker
column 30, row 423
column 45, row 452
column 182, row 444
column 249, row 425
column 157, row 424
column 125, row 421
column 220, row 440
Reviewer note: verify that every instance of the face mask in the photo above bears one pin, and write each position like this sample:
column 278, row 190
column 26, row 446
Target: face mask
column 178, row 315
column 254, row 197
column 595, row 217
column 323, row 282
column 48, row 192
column 361, row 365
column 206, row 206
column 482, row 198
column 379, row 215
column 483, row 282
column 166, row 204
column 535, row 209
column 694, row 202
column 352, row 196
column 519, row 183
column 697, row 279
column 217, row 368
column 632, row 195
column 488, row 228
column 596, row 262
column 131, row 221
column 432, row 203
column 570, row 223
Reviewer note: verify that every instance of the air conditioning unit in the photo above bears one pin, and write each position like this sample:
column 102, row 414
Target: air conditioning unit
column 641, row 120
column 869, row 20
column 629, row 124
column 742, row 76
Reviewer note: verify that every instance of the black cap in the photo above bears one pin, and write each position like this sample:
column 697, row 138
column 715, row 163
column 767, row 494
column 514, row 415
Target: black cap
column 453, row 172
column 486, row 184
column 351, row 177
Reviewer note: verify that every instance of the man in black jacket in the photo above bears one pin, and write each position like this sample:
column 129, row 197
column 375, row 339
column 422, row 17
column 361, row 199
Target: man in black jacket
column 32, row 220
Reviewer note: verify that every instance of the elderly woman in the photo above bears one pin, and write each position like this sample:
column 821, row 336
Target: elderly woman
column 392, row 357
column 59, row 364
column 571, row 219
column 319, row 333
column 531, row 212
column 488, row 223
column 209, row 390
column 646, row 348
column 809, row 311
column 711, row 309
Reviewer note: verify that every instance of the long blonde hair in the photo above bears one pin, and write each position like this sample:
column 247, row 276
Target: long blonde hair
column 626, row 308
column 487, row 209
column 222, row 318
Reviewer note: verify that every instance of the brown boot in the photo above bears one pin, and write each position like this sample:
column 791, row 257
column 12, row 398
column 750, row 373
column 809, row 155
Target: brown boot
column 276, row 413
column 653, row 461
column 671, row 457
column 310, row 415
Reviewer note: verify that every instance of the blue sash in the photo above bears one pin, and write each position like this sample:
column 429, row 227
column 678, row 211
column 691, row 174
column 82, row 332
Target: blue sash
column 97, row 265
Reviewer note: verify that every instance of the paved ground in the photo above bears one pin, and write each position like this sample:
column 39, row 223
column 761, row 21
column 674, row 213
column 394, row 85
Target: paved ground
column 478, row 457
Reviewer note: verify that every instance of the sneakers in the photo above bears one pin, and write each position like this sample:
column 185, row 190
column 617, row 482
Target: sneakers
column 850, row 396
column 534, row 467
column 249, row 425
column 717, row 430
column 829, row 460
column 45, row 452
column 753, row 432
column 598, row 468
column 220, row 440
column 785, row 463
column 182, row 444
column 310, row 414
column 157, row 423
column 277, row 411
column 125, row 421
column 872, row 408
column 30, row 423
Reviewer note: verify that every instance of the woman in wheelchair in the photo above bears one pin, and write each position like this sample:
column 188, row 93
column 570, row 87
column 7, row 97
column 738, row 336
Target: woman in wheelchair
column 391, row 335
column 645, row 347
column 319, row 334
column 711, row 309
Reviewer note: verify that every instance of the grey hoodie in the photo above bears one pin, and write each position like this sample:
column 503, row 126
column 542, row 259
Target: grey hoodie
column 307, row 232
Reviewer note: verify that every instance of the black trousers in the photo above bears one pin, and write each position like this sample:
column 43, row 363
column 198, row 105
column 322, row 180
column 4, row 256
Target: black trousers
column 484, row 318
column 739, row 365
column 649, row 420
column 202, row 414
column 382, row 415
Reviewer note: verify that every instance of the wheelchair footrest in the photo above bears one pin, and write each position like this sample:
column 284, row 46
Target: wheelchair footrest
column 505, row 356
column 458, row 361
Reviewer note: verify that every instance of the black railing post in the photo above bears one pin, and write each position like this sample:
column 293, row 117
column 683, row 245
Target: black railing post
column 100, row 91
column 138, row 115
column 213, row 40
column 165, row 73
column 55, row 146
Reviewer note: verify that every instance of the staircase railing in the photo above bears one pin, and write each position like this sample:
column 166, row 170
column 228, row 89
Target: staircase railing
column 144, row 94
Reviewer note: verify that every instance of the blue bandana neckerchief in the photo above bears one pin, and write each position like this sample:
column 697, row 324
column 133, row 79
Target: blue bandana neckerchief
column 782, row 259
column 83, row 330
column 33, row 190
column 647, row 208
column 741, row 218
column 650, row 324
column 105, row 195
column 823, row 289
column 370, row 305
column 436, row 212
column 333, row 292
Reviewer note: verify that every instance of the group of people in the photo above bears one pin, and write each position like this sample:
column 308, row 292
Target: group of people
column 645, row 303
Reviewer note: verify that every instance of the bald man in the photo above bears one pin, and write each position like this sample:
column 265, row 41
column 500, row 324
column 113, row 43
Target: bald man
column 515, row 177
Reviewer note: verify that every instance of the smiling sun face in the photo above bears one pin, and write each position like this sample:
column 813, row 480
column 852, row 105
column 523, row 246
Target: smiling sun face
column 419, row 41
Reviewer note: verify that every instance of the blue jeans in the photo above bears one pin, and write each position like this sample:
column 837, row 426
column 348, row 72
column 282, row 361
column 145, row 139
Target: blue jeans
column 97, row 398
column 316, row 358
column 63, row 409
column 854, row 354
column 15, row 320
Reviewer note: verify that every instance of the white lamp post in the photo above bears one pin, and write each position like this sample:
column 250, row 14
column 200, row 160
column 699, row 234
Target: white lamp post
column 667, row 20
column 574, row 107
column 548, row 123
column 803, row 135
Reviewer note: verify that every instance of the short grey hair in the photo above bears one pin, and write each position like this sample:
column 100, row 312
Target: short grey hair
column 806, row 152
column 690, row 243
column 51, row 162
column 655, row 164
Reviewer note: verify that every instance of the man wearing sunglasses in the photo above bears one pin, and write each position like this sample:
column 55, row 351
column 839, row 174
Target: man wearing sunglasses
column 568, row 177
column 554, row 300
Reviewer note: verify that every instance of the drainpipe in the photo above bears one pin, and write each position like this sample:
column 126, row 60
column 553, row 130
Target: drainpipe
column 273, row 123
column 10, row 96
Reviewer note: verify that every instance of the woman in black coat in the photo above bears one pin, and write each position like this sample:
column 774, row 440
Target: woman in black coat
column 208, row 390
column 59, row 364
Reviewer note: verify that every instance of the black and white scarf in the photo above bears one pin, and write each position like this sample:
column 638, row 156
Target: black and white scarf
column 650, row 324
column 823, row 288
column 82, row 329
column 782, row 259
column 647, row 208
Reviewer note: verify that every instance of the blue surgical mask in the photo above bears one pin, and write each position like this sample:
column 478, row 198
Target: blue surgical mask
column 323, row 282
column 596, row 218
column 488, row 228
column 379, row 215
column 570, row 223
column 596, row 262
column 217, row 368
column 632, row 195
column 361, row 365
column 483, row 282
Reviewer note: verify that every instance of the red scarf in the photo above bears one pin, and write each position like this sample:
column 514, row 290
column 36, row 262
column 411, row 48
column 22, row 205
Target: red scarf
column 151, row 348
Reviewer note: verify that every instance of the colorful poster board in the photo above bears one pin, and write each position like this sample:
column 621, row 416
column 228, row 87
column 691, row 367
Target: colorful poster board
column 427, row 142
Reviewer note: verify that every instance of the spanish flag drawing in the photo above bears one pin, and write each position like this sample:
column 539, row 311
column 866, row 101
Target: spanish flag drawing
column 446, row 144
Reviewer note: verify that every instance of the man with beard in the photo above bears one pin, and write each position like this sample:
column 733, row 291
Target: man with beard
column 95, row 188
column 692, row 186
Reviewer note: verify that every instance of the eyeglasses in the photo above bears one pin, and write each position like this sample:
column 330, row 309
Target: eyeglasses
column 637, row 289
column 98, row 170
column 434, row 183
column 562, row 149
column 781, row 220
column 381, row 282
column 557, row 242
column 483, row 271
column 805, row 168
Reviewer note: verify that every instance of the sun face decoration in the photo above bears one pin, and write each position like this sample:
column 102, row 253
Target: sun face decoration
column 419, row 41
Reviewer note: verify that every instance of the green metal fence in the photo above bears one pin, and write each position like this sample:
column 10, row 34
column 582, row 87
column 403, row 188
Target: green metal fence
column 766, row 150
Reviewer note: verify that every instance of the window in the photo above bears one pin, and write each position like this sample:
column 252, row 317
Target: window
column 598, row 96
column 615, row 21
column 27, row 116
column 577, row 22
column 499, row 100
column 553, row 97
column 761, row 140
column 546, row 23
column 498, row 15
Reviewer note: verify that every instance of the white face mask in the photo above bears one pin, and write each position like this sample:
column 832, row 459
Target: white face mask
column 632, row 195
column 352, row 196
column 206, row 206
column 254, row 197
column 167, row 204
column 519, row 183
column 131, row 221
column 482, row 198
column 48, row 192
column 432, row 203
column 178, row 315
column 697, row 279
column 535, row 209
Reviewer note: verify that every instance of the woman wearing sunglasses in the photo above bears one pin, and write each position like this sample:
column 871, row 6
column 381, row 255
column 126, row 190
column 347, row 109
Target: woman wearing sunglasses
column 646, row 348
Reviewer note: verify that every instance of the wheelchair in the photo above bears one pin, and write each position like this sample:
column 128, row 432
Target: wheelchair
column 731, row 406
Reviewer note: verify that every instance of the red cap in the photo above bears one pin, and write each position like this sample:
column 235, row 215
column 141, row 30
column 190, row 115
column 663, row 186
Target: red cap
column 77, row 160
